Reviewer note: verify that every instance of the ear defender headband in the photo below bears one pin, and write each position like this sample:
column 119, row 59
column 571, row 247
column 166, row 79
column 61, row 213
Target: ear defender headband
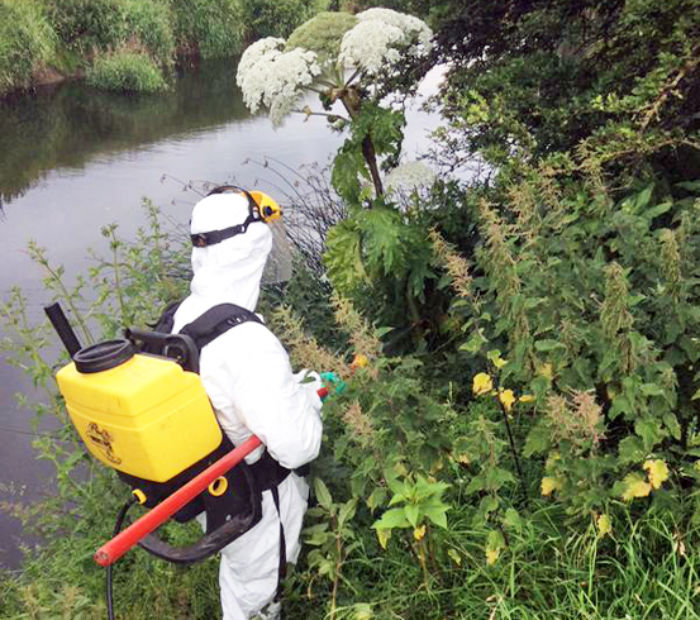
column 261, row 208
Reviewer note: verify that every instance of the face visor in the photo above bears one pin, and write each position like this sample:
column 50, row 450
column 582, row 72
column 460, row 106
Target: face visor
column 261, row 208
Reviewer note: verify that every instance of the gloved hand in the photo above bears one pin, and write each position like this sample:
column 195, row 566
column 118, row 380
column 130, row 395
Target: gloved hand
column 309, row 378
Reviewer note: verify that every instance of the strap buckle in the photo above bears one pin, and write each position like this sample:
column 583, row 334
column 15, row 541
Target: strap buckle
column 199, row 240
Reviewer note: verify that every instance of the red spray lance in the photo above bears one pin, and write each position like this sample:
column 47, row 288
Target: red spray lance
column 111, row 551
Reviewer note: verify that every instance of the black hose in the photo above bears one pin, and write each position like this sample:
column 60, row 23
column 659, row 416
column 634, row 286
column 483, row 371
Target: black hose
column 117, row 528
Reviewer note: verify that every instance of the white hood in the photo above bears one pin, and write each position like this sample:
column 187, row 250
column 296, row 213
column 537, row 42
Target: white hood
column 229, row 271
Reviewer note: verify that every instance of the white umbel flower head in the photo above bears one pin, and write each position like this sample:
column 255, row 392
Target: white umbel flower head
column 273, row 78
column 371, row 45
column 376, row 42
column 409, row 177
column 412, row 27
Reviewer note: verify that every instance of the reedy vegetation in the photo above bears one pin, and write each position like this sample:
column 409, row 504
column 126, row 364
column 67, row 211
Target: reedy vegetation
column 72, row 37
column 524, row 440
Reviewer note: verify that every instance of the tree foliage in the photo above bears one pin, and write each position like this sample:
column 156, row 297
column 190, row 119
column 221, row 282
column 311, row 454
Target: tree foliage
column 546, row 75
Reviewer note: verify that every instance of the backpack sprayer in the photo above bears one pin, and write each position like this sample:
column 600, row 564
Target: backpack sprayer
column 139, row 406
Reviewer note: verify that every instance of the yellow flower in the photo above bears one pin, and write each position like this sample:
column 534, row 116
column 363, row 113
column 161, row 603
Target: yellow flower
column 437, row 465
column 359, row 361
column 492, row 556
column 657, row 472
column 527, row 398
column 419, row 532
column 550, row 484
column 463, row 459
column 635, row 486
column 363, row 613
column 482, row 384
column 552, row 459
column 507, row 398
column 604, row 523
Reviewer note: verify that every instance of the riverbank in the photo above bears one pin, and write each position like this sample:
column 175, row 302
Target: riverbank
column 129, row 45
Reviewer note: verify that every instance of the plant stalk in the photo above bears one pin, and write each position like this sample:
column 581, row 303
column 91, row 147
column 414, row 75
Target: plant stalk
column 514, row 452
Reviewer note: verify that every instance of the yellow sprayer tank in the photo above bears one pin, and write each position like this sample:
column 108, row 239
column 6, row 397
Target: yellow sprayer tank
column 140, row 414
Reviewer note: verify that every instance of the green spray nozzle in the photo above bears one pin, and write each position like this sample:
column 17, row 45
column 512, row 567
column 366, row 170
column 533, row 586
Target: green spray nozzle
column 331, row 378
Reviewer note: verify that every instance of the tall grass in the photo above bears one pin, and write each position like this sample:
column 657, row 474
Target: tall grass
column 27, row 42
column 207, row 28
column 151, row 24
column 548, row 573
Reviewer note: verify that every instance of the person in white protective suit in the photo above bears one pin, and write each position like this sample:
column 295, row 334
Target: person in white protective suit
column 247, row 376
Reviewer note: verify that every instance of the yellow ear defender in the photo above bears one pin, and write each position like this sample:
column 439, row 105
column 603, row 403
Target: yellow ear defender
column 261, row 208
column 269, row 209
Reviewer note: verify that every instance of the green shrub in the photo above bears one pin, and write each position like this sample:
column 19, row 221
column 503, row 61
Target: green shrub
column 86, row 25
column 126, row 71
column 276, row 18
column 150, row 23
column 209, row 28
column 26, row 43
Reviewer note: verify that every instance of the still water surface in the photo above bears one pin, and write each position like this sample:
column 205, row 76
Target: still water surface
column 75, row 159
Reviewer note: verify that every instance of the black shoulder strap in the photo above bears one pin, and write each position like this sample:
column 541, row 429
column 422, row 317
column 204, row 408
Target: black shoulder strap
column 216, row 321
column 164, row 324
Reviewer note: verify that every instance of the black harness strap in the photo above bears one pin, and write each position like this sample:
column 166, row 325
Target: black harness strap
column 217, row 321
column 282, row 569
column 202, row 240
column 267, row 472
column 164, row 324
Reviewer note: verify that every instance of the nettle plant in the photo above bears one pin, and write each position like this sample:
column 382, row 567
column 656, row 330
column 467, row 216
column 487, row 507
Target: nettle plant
column 593, row 302
column 361, row 67
column 386, row 462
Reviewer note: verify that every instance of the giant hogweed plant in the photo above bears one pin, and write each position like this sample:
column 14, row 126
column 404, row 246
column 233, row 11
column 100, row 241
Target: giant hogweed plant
column 354, row 62
column 356, row 65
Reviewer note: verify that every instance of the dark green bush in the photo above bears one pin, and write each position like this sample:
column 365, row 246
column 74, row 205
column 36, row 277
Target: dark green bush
column 208, row 28
column 126, row 71
column 85, row 25
column 267, row 18
column 151, row 23
column 26, row 42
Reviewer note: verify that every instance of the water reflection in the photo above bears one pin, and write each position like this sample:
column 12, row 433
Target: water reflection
column 73, row 124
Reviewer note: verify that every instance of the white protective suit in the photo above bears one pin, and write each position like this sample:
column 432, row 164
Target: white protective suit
column 248, row 378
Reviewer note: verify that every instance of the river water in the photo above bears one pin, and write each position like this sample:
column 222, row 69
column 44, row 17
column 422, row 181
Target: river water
column 74, row 159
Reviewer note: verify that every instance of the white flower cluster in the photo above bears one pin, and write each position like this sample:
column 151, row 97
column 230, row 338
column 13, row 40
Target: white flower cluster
column 410, row 177
column 413, row 27
column 373, row 44
column 275, row 79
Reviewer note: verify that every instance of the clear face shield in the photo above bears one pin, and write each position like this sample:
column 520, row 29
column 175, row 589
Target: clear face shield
column 278, row 268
